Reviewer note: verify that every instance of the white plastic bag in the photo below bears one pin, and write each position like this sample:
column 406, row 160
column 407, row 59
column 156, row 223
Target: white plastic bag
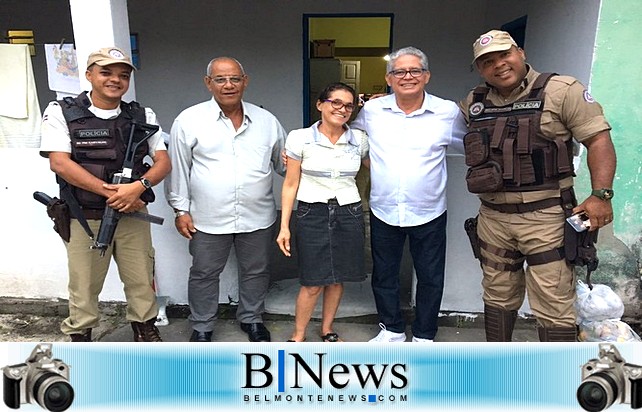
column 600, row 303
column 607, row 331
column 598, row 315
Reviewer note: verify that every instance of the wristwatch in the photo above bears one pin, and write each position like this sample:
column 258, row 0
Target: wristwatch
column 179, row 213
column 604, row 194
column 146, row 183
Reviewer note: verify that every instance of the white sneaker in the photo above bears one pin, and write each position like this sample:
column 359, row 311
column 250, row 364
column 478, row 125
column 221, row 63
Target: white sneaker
column 421, row 340
column 387, row 336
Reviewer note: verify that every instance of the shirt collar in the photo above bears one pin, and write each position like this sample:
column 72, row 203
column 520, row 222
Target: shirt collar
column 428, row 105
column 347, row 135
column 221, row 115
column 105, row 114
column 531, row 76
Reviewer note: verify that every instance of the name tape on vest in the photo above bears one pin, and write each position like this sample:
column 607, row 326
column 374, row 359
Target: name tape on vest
column 527, row 105
column 91, row 133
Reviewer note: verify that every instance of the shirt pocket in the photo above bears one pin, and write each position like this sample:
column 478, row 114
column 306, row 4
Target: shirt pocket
column 257, row 157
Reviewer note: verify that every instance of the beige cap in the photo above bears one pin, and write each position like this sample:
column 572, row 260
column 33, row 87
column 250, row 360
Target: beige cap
column 109, row 55
column 494, row 40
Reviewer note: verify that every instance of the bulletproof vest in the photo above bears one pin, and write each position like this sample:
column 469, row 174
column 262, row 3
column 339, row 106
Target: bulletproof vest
column 505, row 148
column 99, row 145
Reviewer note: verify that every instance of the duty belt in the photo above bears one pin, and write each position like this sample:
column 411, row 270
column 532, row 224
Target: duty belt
column 523, row 207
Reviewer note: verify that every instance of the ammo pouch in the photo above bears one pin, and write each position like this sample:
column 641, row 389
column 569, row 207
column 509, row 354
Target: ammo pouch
column 58, row 211
column 476, row 147
column 484, row 175
column 485, row 178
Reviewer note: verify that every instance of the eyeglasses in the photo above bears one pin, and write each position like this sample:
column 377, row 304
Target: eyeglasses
column 401, row 73
column 338, row 104
column 221, row 80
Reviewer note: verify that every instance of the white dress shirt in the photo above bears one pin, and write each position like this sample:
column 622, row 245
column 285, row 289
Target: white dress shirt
column 408, row 157
column 221, row 175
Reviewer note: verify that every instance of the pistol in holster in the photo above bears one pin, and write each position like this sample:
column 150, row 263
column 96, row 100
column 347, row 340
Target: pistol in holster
column 470, row 226
column 579, row 247
column 58, row 211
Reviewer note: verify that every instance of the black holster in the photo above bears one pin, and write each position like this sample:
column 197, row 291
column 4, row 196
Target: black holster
column 58, row 211
column 579, row 247
column 470, row 226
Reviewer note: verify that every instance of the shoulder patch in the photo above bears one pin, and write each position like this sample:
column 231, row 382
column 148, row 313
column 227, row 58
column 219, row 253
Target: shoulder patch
column 588, row 97
column 476, row 108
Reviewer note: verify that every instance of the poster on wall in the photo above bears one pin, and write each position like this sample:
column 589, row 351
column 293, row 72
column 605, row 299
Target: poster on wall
column 62, row 69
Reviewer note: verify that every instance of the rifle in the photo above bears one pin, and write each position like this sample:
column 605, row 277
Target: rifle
column 111, row 216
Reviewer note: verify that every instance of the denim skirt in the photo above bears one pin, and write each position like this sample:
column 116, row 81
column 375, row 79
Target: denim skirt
column 330, row 243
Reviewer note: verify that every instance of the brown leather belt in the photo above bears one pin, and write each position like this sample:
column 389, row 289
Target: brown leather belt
column 523, row 207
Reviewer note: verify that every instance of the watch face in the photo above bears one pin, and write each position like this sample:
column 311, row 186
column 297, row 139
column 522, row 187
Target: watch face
column 146, row 183
column 608, row 194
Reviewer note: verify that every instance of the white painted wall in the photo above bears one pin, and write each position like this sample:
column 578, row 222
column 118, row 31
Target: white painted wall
column 112, row 28
column 560, row 35
column 176, row 45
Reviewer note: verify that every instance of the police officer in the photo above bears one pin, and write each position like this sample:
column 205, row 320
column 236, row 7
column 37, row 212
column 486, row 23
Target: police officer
column 519, row 149
column 85, row 140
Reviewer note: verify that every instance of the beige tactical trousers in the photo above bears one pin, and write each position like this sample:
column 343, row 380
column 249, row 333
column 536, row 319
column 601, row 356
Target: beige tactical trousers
column 134, row 255
column 550, row 286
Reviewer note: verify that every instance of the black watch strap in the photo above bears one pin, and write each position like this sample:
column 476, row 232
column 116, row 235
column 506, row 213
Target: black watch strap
column 604, row 194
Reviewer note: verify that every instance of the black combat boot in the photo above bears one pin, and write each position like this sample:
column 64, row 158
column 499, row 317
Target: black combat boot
column 146, row 331
column 499, row 324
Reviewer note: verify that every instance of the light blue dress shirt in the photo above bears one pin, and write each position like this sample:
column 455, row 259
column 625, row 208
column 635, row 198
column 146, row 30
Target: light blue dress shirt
column 223, row 176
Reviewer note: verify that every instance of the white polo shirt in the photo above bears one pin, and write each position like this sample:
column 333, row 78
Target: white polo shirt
column 327, row 170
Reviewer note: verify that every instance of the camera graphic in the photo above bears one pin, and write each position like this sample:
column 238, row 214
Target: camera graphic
column 41, row 379
column 608, row 380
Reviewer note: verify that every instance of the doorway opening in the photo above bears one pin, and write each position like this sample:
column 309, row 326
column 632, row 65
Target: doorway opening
column 517, row 30
column 344, row 47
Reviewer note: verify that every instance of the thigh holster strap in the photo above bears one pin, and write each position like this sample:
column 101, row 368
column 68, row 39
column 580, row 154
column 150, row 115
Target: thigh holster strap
column 532, row 260
column 503, row 253
column 505, row 267
column 497, row 251
column 546, row 257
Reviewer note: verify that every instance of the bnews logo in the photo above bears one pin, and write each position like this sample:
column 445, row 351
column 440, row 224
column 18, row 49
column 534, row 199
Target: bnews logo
column 292, row 371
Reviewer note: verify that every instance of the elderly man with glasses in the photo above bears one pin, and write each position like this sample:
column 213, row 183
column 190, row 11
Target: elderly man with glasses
column 224, row 153
column 409, row 132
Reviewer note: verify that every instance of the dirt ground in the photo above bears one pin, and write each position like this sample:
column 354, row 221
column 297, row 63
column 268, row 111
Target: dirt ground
column 32, row 327
column 26, row 322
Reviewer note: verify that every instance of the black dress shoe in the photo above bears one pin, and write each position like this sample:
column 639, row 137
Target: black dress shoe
column 201, row 336
column 256, row 332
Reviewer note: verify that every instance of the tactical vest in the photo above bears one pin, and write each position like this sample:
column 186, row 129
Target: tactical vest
column 505, row 148
column 99, row 145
